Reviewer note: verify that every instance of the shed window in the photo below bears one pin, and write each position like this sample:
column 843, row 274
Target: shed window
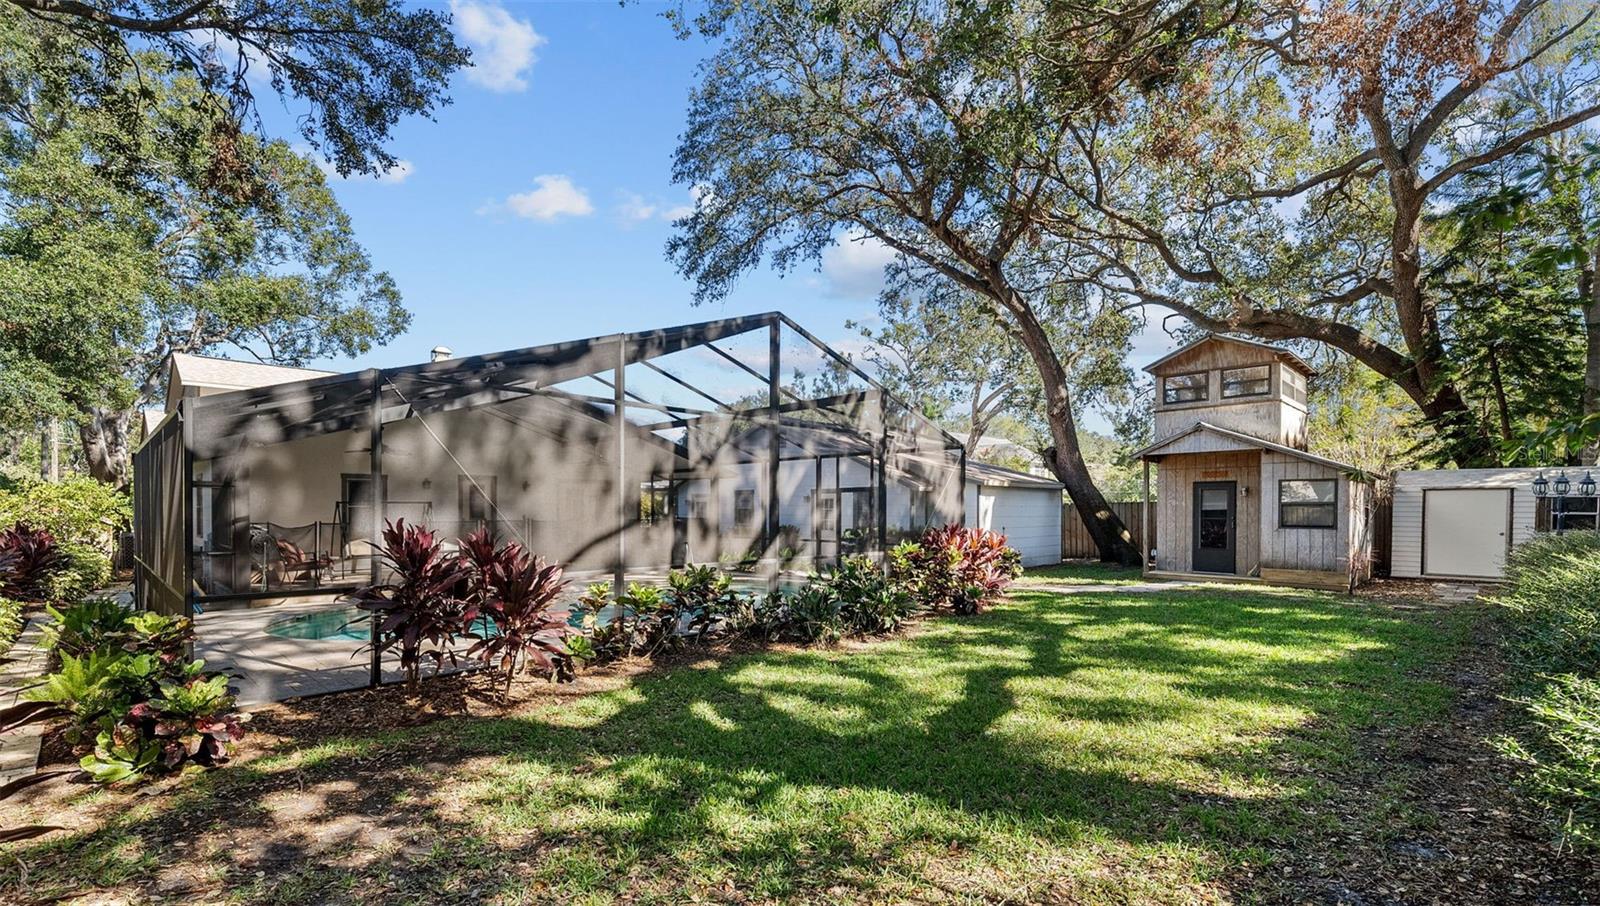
column 1253, row 381
column 1294, row 385
column 1308, row 503
column 1184, row 388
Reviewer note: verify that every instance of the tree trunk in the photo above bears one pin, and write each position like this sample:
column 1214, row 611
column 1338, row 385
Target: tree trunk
column 1064, row 458
column 104, row 433
column 1591, row 361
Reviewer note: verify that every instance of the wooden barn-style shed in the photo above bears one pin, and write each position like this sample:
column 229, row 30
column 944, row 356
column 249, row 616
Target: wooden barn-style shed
column 1239, row 493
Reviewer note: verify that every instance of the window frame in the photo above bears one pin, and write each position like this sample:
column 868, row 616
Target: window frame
column 467, row 492
column 1333, row 505
column 1204, row 388
column 750, row 520
column 1266, row 382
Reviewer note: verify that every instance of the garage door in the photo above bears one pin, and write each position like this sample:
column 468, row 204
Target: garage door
column 1464, row 531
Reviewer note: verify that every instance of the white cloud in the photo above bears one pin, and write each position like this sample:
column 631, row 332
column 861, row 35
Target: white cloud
column 502, row 45
column 853, row 265
column 399, row 173
column 634, row 209
column 553, row 196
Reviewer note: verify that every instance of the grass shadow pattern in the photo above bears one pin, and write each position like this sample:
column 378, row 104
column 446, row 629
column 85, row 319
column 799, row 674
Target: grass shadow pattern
column 1102, row 747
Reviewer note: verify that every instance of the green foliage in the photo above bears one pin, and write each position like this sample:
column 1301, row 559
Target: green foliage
column 83, row 515
column 869, row 601
column 10, row 623
column 1553, row 639
column 423, row 610
column 147, row 225
column 518, row 593
column 814, row 614
column 90, row 625
column 960, row 569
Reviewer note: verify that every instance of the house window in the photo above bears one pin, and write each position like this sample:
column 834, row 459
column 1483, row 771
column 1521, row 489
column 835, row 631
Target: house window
column 1184, row 388
column 1253, row 381
column 699, row 509
column 1581, row 514
column 744, row 508
column 477, row 497
column 1308, row 503
column 655, row 501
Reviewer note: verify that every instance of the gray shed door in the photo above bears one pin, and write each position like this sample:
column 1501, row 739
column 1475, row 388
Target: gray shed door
column 1464, row 531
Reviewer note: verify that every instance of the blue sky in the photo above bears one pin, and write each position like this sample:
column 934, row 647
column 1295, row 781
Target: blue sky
column 536, row 207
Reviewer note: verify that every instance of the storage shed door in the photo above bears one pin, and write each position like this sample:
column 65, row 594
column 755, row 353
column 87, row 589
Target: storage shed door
column 1464, row 531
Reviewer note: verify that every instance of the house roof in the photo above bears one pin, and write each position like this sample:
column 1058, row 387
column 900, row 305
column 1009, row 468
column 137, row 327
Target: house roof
column 990, row 475
column 1156, row 448
column 232, row 374
column 307, row 403
column 1279, row 352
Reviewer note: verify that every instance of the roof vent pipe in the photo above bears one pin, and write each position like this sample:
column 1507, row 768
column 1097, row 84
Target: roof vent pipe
column 440, row 353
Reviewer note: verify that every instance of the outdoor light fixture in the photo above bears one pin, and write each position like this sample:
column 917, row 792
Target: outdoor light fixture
column 1561, row 485
column 1541, row 485
column 1586, row 486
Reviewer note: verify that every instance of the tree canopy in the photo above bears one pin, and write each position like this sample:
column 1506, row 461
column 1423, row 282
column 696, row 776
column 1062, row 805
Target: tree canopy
column 357, row 66
column 138, row 222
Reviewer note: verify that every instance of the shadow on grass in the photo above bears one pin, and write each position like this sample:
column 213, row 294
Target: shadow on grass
column 1056, row 747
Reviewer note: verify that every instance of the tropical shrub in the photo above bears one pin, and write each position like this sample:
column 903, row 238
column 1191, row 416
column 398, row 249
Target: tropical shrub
column 424, row 605
column 77, row 510
column 1553, row 646
column 517, row 592
column 10, row 623
column 30, row 561
column 93, row 624
column 652, row 620
column 603, row 638
column 701, row 597
column 812, row 614
column 869, row 600
column 83, row 515
column 962, row 569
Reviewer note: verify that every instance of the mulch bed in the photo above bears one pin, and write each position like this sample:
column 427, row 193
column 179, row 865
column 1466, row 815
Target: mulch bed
column 1464, row 833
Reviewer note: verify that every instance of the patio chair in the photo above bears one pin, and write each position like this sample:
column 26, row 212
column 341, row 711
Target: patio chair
column 295, row 564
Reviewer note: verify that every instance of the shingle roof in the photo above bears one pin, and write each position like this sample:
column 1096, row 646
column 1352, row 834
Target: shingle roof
column 999, row 476
column 231, row 374
column 1279, row 351
column 1155, row 448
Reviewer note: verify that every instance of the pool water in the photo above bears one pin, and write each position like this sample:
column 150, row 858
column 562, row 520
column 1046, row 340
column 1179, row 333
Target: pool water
column 341, row 623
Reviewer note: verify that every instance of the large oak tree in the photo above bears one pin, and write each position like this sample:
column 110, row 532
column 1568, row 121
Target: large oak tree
column 923, row 126
column 1287, row 186
column 138, row 222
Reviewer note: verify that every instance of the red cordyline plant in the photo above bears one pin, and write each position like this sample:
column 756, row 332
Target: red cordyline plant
column 29, row 559
column 424, row 603
column 964, row 569
column 517, row 593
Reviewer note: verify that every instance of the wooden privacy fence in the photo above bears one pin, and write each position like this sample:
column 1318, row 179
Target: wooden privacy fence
column 1075, row 540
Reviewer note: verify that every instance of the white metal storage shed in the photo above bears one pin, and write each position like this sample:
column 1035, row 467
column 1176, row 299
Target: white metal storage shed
column 1025, row 508
column 1460, row 523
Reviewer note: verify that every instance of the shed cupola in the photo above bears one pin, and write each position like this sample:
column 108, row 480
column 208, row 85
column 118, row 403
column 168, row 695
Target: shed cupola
column 1241, row 385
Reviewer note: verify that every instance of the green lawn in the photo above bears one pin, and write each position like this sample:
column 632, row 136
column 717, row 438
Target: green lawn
column 1082, row 572
column 1098, row 747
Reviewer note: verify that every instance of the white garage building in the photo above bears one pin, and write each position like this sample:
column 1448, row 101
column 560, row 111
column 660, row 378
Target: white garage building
column 1461, row 523
column 1025, row 508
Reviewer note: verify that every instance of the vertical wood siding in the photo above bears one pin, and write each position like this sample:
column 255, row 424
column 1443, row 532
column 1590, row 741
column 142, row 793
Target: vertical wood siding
column 1174, row 519
column 1302, row 548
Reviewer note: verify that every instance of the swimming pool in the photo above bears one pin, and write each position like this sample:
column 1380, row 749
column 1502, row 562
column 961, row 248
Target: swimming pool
column 341, row 623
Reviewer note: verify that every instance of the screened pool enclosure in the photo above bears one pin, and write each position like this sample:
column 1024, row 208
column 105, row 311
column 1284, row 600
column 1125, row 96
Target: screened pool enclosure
column 745, row 442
